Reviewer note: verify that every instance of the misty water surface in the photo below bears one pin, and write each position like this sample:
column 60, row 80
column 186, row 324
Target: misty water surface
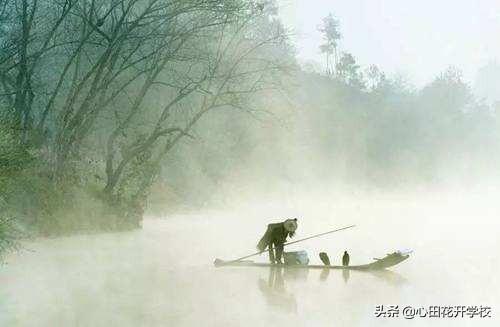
column 163, row 275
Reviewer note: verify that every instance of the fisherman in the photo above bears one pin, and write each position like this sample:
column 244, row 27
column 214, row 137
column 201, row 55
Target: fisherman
column 275, row 238
column 345, row 259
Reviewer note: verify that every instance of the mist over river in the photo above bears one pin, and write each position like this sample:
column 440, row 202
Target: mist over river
column 142, row 140
column 163, row 275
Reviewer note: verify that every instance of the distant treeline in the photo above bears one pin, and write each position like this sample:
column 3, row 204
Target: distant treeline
column 381, row 134
column 343, row 126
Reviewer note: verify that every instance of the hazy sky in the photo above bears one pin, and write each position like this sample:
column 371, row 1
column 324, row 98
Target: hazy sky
column 417, row 38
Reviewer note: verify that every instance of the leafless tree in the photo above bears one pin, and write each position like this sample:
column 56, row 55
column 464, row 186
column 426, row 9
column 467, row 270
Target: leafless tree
column 138, row 74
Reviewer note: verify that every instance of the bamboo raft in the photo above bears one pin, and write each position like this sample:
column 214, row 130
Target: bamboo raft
column 388, row 261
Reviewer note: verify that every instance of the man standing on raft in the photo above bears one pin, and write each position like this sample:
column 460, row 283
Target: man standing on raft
column 275, row 238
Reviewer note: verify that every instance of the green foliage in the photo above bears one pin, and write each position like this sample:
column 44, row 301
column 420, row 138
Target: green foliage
column 7, row 238
column 13, row 159
column 13, row 155
column 331, row 31
column 330, row 28
column 349, row 72
column 392, row 135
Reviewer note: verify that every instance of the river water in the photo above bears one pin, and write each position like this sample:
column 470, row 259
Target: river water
column 163, row 274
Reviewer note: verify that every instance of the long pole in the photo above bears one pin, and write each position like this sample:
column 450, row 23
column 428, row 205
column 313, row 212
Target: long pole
column 297, row 241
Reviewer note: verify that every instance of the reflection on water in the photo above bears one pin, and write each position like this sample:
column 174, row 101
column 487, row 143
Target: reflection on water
column 275, row 292
column 346, row 274
column 296, row 274
column 325, row 272
column 390, row 277
column 278, row 296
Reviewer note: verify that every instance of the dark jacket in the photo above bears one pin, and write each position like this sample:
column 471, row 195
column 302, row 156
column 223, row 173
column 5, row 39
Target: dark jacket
column 275, row 234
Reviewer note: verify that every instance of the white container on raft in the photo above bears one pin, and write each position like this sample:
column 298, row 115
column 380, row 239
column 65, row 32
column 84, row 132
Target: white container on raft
column 296, row 258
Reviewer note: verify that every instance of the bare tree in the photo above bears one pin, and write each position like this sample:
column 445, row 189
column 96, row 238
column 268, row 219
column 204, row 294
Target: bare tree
column 127, row 80
column 22, row 50
column 219, row 73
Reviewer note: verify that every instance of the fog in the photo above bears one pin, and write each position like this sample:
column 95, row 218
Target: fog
column 163, row 274
column 141, row 140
